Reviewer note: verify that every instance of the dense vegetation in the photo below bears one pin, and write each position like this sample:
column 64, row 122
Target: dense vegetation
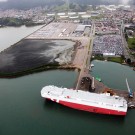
column 116, row 59
column 29, row 71
column 131, row 43
column 112, row 59
column 26, row 4
column 15, row 22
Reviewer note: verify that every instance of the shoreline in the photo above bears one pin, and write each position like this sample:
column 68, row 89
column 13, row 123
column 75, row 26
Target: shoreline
column 36, row 70
column 45, row 68
column 120, row 60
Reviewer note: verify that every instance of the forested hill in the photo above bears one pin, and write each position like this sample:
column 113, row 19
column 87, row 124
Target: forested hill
column 96, row 2
column 26, row 4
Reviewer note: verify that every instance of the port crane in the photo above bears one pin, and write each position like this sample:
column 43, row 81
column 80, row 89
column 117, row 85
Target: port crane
column 93, row 84
column 129, row 90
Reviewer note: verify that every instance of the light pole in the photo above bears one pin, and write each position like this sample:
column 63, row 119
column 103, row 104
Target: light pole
column 67, row 1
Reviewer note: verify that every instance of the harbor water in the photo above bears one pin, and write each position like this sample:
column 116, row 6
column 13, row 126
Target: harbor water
column 24, row 112
column 114, row 75
column 11, row 35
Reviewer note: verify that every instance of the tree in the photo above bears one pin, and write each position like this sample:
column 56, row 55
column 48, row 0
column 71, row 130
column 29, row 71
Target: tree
column 126, row 37
column 72, row 6
column 129, row 61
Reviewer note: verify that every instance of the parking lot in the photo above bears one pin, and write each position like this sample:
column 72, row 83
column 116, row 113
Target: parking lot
column 108, row 44
column 106, row 27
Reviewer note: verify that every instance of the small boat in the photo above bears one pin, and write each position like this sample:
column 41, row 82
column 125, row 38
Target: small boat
column 129, row 90
column 99, row 79
column 92, row 65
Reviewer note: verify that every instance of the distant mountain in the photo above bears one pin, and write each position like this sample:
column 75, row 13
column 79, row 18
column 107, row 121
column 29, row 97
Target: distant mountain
column 95, row 2
column 104, row 2
column 26, row 4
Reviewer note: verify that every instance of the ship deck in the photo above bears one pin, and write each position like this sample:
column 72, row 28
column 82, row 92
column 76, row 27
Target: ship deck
column 84, row 97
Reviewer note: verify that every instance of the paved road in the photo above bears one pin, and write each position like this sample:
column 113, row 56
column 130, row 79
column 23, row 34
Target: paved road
column 126, row 49
column 85, row 67
column 90, row 48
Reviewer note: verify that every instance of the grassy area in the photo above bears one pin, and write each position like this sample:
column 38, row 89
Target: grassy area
column 97, row 17
column 116, row 59
column 112, row 59
column 98, row 57
column 131, row 43
column 61, row 8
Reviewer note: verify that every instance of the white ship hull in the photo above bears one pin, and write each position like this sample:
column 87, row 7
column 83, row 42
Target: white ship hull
column 81, row 100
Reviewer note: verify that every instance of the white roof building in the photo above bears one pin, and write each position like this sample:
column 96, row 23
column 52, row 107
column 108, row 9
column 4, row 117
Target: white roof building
column 51, row 14
column 86, row 16
column 80, row 28
column 60, row 14
column 71, row 13
column 74, row 17
column 109, row 54
column 81, row 13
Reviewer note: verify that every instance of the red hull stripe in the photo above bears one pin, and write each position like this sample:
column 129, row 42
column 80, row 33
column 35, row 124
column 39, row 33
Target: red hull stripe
column 91, row 108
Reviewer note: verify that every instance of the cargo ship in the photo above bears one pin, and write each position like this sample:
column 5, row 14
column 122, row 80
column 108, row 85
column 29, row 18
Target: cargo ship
column 102, row 103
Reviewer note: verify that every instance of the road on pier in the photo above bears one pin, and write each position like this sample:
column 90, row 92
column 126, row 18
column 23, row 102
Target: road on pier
column 88, row 53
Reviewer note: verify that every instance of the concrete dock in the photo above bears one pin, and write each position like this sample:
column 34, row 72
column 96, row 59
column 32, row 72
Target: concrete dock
column 99, row 87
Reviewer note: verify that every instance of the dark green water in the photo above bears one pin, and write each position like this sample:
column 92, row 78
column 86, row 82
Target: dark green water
column 114, row 74
column 24, row 112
